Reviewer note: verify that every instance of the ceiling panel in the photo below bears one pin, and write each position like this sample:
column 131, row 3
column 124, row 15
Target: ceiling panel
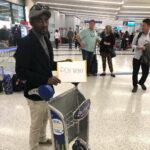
column 98, row 8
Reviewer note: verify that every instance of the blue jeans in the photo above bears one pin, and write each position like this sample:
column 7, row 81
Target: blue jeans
column 88, row 57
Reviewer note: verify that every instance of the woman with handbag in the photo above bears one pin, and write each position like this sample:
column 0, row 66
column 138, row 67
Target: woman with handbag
column 106, row 49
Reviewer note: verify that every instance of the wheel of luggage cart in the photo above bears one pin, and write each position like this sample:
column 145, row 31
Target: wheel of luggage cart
column 78, row 146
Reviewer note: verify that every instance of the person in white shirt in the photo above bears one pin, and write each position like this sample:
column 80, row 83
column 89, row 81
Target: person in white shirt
column 57, row 37
column 139, row 41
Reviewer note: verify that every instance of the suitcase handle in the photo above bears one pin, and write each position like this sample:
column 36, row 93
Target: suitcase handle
column 2, row 71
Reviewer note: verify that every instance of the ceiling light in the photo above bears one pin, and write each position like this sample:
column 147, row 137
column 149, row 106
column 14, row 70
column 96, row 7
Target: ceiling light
column 137, row 7
column 84, row 13
column 134, row 15
column 135, row 12
column 81, row 6
column 102, row 2
column 88, row 11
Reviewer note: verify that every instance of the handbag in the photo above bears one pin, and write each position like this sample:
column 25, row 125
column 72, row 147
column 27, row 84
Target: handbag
column 112, row 53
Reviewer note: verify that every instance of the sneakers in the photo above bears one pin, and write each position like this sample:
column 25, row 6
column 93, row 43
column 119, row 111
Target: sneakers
column 135, row 89
column 144, row 88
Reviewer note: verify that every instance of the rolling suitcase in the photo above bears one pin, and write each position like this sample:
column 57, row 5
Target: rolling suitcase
column 94, row 64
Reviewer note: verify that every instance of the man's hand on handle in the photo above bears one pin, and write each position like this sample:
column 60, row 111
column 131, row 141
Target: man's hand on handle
column 53, row 81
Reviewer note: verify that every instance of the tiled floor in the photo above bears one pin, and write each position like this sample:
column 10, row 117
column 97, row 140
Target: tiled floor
column 119, row 120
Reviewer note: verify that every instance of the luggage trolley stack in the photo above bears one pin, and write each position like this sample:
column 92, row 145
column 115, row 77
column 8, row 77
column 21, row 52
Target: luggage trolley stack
column 69, row 116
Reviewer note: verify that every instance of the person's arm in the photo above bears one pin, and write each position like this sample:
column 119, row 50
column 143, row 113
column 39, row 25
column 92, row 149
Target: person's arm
column 23, row 62
column 81, row 37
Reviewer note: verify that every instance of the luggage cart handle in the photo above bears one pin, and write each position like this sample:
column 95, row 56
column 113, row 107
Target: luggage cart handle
column 75, row 84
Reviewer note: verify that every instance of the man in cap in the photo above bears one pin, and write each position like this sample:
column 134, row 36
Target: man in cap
column 34, row 64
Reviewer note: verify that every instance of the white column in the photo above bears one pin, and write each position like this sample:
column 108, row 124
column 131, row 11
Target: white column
column 57, row 20
column 62, row 21
column 28, row 5
column 72, row 21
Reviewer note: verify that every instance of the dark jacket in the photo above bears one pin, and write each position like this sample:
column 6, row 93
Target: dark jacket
column 109, row 39
column 145, row 59
column 4, row 34
column 32, row 63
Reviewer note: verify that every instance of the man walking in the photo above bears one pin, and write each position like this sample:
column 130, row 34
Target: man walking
column 34, row 64
column 138, row 45
column 70, row 36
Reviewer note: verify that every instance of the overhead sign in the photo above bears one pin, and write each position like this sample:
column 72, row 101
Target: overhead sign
column 88, row 21
column 72, row 71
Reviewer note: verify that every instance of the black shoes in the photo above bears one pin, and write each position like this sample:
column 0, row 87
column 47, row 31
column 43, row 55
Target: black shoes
column 135, row 89
column 113, row 75
column 144, row 88
column 103, row 74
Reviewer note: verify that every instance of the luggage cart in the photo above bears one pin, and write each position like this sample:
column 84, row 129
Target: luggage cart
column 69, row 117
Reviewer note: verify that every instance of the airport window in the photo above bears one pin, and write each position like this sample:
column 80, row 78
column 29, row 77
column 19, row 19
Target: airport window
column 18, row 13
column 5, row 14
column 11, row 13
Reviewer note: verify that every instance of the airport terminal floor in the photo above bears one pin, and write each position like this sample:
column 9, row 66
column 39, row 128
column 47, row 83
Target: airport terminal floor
column 119, row 120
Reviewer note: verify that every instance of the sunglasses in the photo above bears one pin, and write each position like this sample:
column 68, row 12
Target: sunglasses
column 40, row 7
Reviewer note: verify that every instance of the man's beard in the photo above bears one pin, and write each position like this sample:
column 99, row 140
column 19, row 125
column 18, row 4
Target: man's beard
column 42, row 32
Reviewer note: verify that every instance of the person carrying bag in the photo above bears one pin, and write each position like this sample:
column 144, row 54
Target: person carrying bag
column 107, row 50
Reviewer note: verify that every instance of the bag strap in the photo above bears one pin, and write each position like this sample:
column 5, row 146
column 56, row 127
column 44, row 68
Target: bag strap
column 138, row 38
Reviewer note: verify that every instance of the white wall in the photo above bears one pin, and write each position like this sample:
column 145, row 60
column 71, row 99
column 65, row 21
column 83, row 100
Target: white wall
column 72, row 21
column 52, row 25
column 57, row 19
column 62, row 21
column 77, row 21
column 17, row 1
column 28, row 5
column 69, row 22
